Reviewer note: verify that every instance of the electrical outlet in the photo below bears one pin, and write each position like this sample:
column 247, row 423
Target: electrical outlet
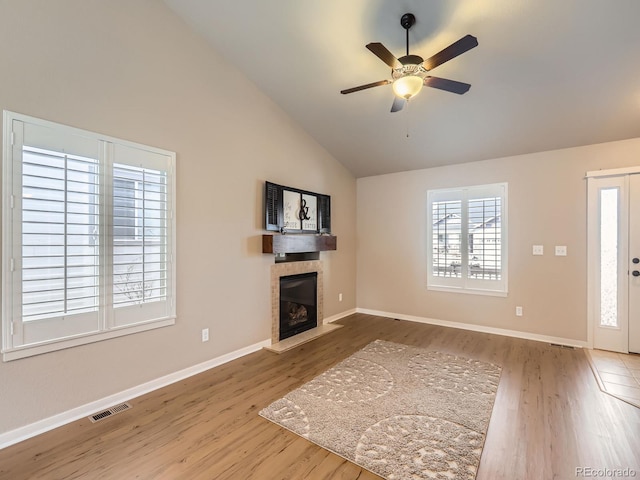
column 205, row 334
column 518, row 311
column 339, row 297
column 538, row 249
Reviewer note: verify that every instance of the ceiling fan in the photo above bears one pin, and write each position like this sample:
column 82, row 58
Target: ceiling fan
column 409, row 73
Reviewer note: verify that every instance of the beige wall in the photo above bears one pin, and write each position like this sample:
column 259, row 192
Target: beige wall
column 133, row 70
column 547, row 205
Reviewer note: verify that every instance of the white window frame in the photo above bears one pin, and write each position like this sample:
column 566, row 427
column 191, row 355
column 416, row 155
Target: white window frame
column 466, row 284
column 108, row 322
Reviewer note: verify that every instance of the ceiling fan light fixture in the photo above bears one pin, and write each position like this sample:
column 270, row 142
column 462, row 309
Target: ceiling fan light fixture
column 410, row 72
column 408, row 86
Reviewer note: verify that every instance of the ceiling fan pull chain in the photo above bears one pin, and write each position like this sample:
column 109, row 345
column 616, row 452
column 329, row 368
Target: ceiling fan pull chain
column 406, row 114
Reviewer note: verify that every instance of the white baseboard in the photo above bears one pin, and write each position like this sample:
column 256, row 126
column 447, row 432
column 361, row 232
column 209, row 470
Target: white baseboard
column 338, row 316
column 22, row 433
column 479, row 328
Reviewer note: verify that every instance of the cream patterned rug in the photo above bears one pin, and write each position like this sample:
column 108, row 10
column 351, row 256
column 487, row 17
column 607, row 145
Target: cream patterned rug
column 401, row 412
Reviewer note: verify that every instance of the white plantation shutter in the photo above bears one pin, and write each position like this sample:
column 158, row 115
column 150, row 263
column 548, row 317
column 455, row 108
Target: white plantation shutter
column 60, row 257
column 484, row 232
column 467, row 239
column 141, row 234
column 87, row 237
column 56, row 215
column 446, row 218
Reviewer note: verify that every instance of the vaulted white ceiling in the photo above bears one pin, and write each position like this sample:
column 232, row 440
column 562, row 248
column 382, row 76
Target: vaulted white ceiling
column 547, row 74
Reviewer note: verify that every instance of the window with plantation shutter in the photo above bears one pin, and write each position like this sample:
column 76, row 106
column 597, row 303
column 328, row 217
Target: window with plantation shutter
column 60, row 243
column 467, row 248
column 140, row 234
column 88, row 228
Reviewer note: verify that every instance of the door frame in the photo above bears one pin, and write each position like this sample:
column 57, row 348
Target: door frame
column 619, row 338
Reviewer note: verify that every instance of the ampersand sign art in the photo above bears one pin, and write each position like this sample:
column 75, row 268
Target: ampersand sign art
column 304, row 210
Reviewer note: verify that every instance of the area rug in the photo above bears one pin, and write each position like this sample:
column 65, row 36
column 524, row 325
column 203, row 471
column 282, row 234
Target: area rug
column 399, row 411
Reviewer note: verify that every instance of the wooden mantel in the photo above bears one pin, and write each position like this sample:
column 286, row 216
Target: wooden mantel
column 298, row 243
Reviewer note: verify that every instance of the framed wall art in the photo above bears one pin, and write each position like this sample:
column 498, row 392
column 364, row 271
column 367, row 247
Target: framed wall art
column 291, row 210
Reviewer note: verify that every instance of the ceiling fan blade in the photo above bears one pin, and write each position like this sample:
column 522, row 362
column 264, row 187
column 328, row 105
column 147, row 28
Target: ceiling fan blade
column 364, row 87
column 466, row 43
column 448, row 85
column 398, row 104
column 383, row 54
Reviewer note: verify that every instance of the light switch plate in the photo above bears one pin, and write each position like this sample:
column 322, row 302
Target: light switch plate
column 538, row 250
column 561, row 250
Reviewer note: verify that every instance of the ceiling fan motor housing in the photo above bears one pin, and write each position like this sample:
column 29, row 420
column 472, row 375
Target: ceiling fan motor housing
column 411, row 65
column 411, row 60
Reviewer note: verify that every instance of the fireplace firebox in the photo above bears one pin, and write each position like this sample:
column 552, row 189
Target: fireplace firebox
column 298, row 304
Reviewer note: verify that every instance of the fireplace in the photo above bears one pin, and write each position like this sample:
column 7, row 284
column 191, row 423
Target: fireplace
column 298, row 304
column 291, row 270
column 310, row 271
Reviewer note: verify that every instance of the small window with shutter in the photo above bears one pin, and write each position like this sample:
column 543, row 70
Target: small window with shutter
column 467, row 247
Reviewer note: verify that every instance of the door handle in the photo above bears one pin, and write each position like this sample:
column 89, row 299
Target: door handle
column 635, row 273
column 636, row 260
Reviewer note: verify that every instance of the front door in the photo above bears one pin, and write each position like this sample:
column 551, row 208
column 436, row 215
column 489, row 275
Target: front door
column 614, row 261
column 634, row 263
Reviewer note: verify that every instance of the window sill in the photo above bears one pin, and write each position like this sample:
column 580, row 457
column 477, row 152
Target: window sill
column 37, row 349
column 469, row 291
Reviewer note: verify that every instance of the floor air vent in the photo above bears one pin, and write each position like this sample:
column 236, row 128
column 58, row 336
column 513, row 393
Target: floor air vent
column 109, row 412
column 569, row 347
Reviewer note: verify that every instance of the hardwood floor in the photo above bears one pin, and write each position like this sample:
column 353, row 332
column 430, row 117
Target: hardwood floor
column 549, row 418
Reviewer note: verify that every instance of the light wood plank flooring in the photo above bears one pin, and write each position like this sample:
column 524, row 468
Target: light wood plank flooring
column 549, row 418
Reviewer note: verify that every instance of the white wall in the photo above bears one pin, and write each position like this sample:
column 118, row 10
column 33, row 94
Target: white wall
column 547, row 205
column 133, row 70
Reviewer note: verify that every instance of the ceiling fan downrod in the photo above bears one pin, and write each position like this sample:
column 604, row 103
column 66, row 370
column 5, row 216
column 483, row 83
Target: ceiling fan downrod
column 407, row 21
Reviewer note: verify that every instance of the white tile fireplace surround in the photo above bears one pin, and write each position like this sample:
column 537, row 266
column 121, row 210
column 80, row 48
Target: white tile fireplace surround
column 284, row 270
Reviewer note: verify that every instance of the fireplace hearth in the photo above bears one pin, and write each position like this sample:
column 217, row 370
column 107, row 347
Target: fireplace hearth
column 298, row 304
